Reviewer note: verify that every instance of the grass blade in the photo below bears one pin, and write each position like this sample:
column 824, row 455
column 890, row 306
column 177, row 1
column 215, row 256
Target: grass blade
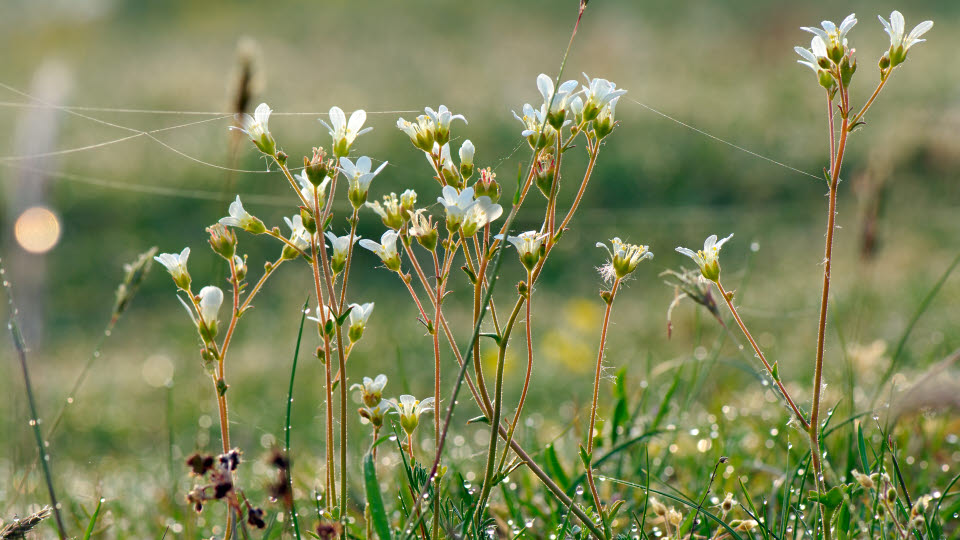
column 374, row 498
column 286, row 425
column 93, row 520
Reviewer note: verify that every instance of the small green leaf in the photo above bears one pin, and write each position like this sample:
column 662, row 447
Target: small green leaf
column 492, row 335
column 374, row 498
column 585, row 457
column 478, row 420
column 343, row 316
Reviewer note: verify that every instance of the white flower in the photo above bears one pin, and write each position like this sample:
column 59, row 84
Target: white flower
column 241, row 218
column 372, row 388
column 407, row 199
column 240, row 266
column 532, row 120
column 557, row 109
column 299, row 237
column 811, row 56
column 341, row 248
column 359, row 177
column 456, row 205
column 423, row 229
column 358, row 322
column 386, row 249
column 482, row 212
column 467, row 150
column 624, row 257
column 211, row 298
column 708, row 258
column 373, row 415
column 343, row 132
column 177, row 266
column 604, row 123
column 441, row 119
column 598, row 93
column 256, row 127
column 895, row 29
column 421, row 134
column 834, row 38
column 308, row 190
column 390, row 211
column 528, row 246
column 410, row 409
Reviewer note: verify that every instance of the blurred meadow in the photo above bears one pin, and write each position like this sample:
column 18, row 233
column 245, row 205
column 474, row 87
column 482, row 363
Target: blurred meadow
column 706, row 80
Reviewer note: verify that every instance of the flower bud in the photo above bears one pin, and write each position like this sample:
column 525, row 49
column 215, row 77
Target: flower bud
column 891, row 494
column 240, row 267
column 359, row 314
column 885, row 61
column 545, row 170
column 222, row 241
column 467, row 151
column 487, row 185
column 319, row 167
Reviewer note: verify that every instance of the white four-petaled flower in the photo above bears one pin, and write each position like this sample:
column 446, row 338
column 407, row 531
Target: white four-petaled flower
column 707, row 258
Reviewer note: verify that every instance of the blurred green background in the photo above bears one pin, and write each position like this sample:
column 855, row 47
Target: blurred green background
column 727, row 69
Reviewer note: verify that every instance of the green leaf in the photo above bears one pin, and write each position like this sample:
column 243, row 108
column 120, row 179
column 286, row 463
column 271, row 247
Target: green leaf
column 343, row 316
column 585, row 457
column 374, row 498
column 832, row 499
column 843, row 523
column 478, row 420
column 93, row 520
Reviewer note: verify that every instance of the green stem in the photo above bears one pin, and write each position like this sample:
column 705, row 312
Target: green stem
column 31, row 402
column 497, row 409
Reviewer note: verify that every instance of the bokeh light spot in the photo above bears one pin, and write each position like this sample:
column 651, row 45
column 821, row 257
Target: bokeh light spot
column 37, row 229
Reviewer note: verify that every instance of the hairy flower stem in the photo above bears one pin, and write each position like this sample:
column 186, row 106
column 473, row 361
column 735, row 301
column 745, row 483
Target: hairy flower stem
column 798, row 414
column 435, row 331
column 814, row 426
column 346, row 269
column 497, row 409
column 593, row 408
column 526, row 378
column 328, row 386
column 341, row 358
